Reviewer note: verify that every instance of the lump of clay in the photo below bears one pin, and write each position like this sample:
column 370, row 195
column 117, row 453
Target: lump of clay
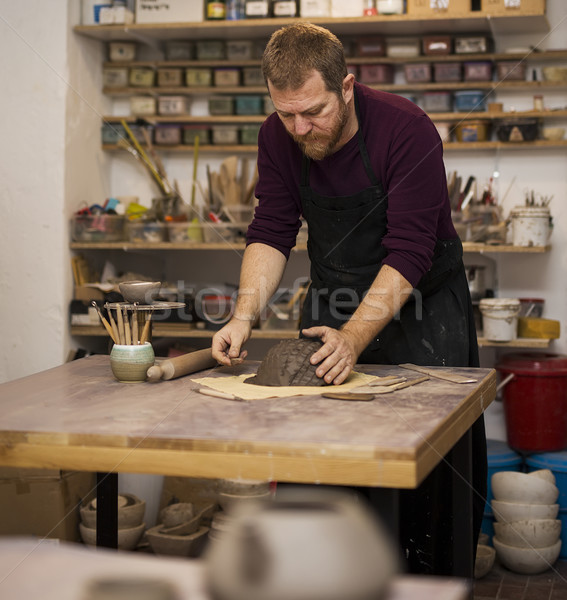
column 287, row 363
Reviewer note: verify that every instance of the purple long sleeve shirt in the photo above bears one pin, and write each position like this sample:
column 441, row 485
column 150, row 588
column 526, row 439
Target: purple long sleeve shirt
column 406, row 155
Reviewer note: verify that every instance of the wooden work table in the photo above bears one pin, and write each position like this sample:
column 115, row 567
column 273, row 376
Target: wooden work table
column 77, row 416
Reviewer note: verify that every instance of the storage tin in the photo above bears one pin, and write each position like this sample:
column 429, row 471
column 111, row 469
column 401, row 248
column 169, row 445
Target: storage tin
column 173, row 105
column 252, row 76
column 190, row 132
column 225, row 134
column 178, row 50
column 469, row 100
column 315, row 8
column 211, row 50
column 249, row 134
column 417, row 73
column 473, row 131
column 371, row 45
column 511, row 70
column 115, row 77
column 429, row 8
column 511, row 8
column 167, row 134
column 221, row 105
column 226, row 77
column 376, row 73
column 477, row 71
column 121, row 51
column 198, row 77
column 404, row 47
column 437, row 44
column 110, row 133
column 141, row 77
column 443, row 72
column 517, row 130
column 142, row 105
column 472, row 44
column 239, row 50
column 169, row 77
column 530, row 225
column 437, row 101
column 535, row 401
column 248, row 105
column 500, row 318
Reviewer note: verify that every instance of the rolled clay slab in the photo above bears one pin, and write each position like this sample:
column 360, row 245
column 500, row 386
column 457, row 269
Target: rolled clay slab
column 287, row 363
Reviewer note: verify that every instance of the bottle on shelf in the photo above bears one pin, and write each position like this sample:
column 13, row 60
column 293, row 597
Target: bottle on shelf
column 216, row 10
column 285, row 9
column 235, row 10
column 257, row 9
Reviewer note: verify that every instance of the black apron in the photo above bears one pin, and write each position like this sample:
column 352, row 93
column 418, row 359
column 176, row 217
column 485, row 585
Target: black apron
column 435, row 327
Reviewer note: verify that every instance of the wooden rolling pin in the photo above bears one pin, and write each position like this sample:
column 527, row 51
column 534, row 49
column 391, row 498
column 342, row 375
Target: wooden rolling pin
column 182, row 365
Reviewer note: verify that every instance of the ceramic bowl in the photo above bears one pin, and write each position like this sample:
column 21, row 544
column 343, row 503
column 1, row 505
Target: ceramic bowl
column 528, row 561
column 130, row 363
column 507, row 512
column 143, row 292
column 230, row 501
column 177, row 545
column 176, row 514
column 131, row 512
column 484, row 562
column 512, row 486
column 127, row 538
column 553, row 134
column 534, row 533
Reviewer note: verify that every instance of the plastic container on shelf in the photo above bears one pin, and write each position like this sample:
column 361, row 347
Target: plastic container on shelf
column 376, row 74
column 97, row 228
column 198, row 77
column 511, row 70
column 477, row 71
column 500, row 318
column 530, row 225
column 139, row 231
column 437, row 101
column 535, row 401
column 417, row 73
column 445, row 71
column 469, row 100
column 517, row 130
column 473, row 131
column 532, row 307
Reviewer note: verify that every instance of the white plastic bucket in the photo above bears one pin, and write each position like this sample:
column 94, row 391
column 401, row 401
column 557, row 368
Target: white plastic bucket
column 530, row 225
column 500, row 318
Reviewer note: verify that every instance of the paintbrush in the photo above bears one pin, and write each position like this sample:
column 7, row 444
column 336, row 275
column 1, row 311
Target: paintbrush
column 104, row 322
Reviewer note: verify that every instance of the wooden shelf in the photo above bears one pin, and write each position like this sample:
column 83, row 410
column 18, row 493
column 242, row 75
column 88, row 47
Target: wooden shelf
column 382, row 24
column 125, row 246
column 181, row 330
column 545, row 56
column 518, row 343
column 448, row 146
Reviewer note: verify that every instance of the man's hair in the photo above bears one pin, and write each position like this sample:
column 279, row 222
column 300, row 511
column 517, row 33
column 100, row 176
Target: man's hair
column 295, row 51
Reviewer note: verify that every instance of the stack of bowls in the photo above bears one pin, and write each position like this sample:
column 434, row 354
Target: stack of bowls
column 131, row 524
column 527, row 530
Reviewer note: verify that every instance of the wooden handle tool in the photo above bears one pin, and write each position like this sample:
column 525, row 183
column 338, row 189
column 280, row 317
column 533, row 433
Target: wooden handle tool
column 146, row 330
column 127, row 338
column 217, row 394
column 120, row 325
column 182, row 365
column 104, row 322
column 437, row 374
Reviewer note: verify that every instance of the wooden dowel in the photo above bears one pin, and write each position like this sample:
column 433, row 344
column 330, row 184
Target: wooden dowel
column 135, row 339
column 114, row 327
column 127, row 337
column 146, row 330
column 120, row 324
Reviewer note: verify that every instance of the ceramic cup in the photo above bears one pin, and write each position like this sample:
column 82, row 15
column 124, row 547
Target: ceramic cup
column 130, row 363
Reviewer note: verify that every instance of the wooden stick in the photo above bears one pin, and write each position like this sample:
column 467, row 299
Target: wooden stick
column 146, row 330
column 120, row 325
column 135, row 339
column 114, row 327
column 104, row 321
column 127, row 337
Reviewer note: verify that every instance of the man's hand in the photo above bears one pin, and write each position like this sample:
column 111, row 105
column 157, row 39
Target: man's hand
column 337, row 355
column 228, row 341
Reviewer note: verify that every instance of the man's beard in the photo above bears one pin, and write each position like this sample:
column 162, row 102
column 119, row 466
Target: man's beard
column 318, row 149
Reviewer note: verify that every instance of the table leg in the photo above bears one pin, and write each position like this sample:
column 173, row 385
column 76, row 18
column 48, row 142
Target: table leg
column 107, row 510
column 463, row 551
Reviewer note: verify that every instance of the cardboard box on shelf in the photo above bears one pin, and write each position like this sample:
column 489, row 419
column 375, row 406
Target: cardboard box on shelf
column 513, row 7
column 431, row 8
column 43, row 503
column 169, row 11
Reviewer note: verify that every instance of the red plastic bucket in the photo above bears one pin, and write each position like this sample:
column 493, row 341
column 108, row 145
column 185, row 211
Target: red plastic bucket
column 535, row 401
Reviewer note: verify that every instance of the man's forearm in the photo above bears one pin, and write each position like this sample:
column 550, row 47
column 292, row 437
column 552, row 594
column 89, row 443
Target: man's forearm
column 260, row 275
column 387, row 294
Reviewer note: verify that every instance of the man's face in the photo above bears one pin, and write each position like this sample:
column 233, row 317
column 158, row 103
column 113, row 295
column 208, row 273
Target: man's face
column 314, row 117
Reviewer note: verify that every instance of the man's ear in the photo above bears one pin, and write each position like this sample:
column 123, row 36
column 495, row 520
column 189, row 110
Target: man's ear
column 348, row 88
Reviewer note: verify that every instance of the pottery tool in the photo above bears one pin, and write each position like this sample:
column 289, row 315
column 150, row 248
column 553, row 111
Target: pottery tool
column 217, row 394
column 135, row 338
column 120, row 323
column 104, row 322
column 377, row 387
column 157, row 160
column 389, row 380
column 182, row 365
column 146, row 330
column 438, row 374
column 127, row 336
column 352, row 396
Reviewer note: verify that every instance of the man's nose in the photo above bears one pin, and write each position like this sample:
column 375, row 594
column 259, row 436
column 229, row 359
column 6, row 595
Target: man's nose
column 301, row 125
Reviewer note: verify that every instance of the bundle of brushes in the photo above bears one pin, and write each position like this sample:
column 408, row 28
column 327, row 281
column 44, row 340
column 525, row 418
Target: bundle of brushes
column 126, row 329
